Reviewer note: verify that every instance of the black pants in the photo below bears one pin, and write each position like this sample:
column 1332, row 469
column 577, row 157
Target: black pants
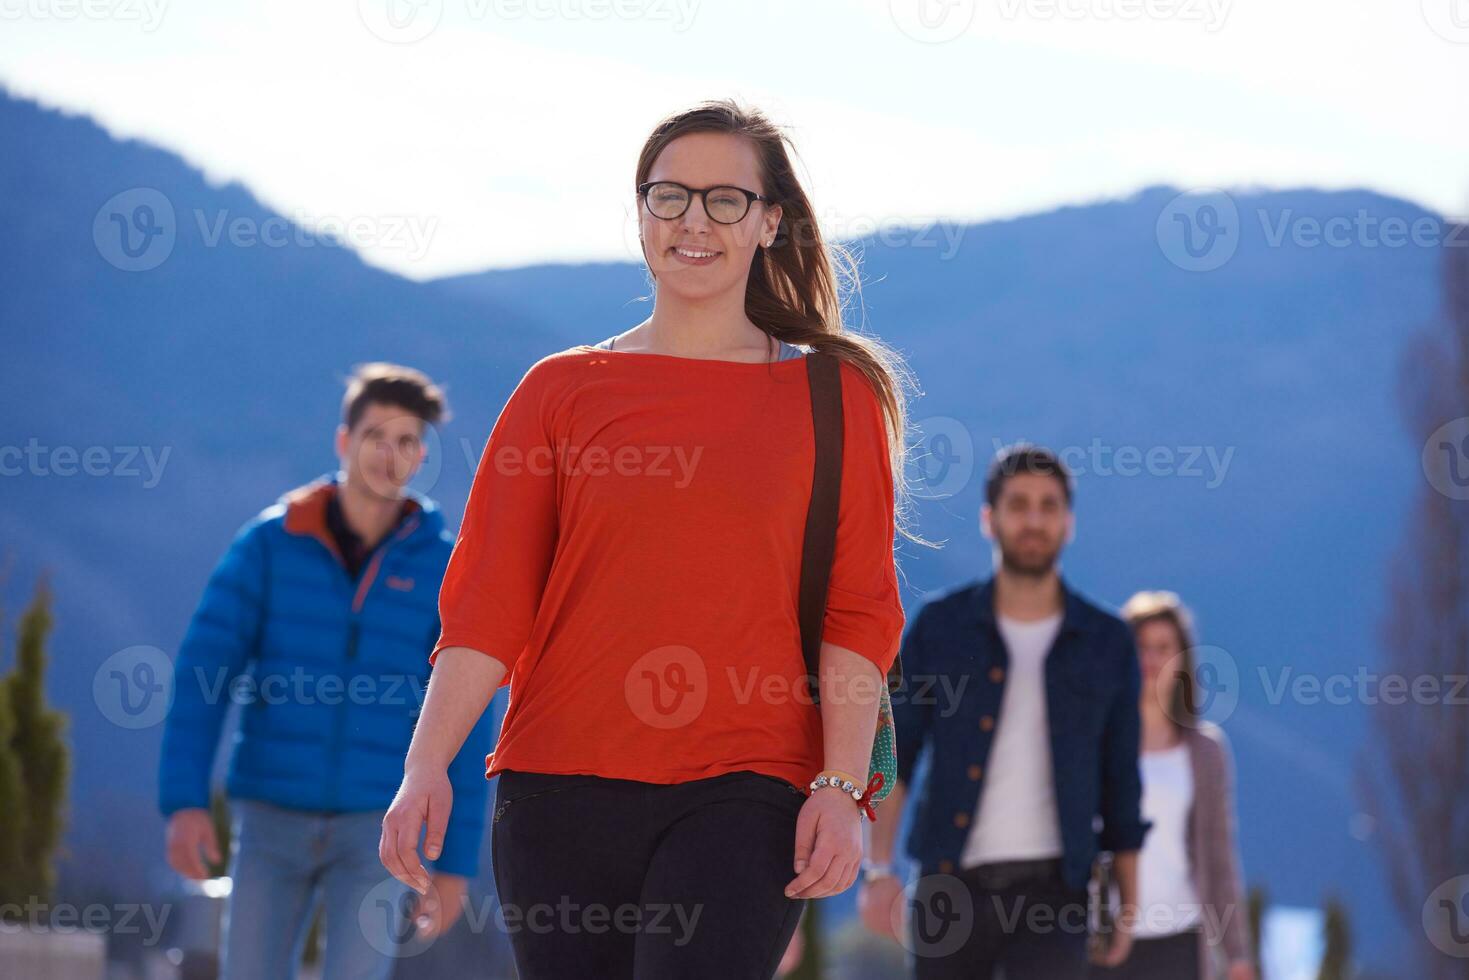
column 972, row 924
column 1173, row 957
column 615, row 878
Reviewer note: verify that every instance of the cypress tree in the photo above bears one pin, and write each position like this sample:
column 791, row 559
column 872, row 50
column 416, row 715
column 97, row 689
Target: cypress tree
column 13, row 895
column 40, row 754
column 1335, row 962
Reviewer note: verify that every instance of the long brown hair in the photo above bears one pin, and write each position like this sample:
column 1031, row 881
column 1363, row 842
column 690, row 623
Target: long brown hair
column 1167, row 607
column 796, row 287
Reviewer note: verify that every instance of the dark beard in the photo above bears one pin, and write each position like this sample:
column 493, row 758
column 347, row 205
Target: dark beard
column 1037, row 569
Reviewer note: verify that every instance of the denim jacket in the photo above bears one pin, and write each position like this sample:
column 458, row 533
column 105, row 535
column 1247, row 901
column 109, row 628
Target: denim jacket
column 948, row 710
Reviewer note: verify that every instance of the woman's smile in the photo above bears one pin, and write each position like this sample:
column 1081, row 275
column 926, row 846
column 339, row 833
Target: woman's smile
column 695, row 255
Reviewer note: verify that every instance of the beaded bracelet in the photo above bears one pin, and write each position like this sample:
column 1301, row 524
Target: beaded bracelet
column 839, row 779
column 843, row 782
column 844, row 776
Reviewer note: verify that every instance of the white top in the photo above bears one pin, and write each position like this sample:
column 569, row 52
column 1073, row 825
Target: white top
column 1167, row 900
column 1015, row 818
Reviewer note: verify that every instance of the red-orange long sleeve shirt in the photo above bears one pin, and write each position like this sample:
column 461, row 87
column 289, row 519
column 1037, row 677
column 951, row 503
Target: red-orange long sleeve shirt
column 631, row 551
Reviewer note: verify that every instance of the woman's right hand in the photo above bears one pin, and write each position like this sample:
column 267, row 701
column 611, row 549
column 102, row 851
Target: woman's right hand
column 828, row 845
column 423, row 799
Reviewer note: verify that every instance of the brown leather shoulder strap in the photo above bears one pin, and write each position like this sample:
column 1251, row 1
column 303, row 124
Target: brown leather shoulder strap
column 824, row 374
column 823, row 371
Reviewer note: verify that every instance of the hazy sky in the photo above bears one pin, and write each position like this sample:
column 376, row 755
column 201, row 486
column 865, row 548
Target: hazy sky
column 454, row 135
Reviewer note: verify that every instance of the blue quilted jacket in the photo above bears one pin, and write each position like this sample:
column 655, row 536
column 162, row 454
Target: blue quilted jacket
column 330, row 673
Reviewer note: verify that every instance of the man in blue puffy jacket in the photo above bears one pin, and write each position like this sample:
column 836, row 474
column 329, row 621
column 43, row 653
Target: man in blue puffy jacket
column 319, row 620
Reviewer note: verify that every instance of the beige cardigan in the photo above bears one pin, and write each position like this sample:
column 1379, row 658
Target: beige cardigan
column 1213, row 853
column 1214, row 849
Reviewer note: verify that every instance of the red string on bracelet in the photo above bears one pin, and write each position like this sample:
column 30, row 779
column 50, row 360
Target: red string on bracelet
column 873, row 785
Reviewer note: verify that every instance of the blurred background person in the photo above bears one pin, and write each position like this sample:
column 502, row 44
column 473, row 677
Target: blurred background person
column 1191, row 904
column 1024, row 695
column 327, row 602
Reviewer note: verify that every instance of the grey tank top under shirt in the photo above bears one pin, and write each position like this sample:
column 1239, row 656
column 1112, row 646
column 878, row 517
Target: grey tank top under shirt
column 787, row 351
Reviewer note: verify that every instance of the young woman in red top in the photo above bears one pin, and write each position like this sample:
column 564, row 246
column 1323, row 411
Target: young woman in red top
column 629, row 564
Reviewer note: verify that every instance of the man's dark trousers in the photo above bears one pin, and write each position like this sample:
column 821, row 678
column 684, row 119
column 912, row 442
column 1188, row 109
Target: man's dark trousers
column 1014, row 919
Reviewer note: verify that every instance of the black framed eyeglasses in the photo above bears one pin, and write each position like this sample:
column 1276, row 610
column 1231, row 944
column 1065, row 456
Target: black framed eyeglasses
column 725, row 203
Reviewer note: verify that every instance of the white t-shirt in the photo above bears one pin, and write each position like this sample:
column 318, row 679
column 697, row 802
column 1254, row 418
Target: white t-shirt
column 1167, row 900
column 1015, row 818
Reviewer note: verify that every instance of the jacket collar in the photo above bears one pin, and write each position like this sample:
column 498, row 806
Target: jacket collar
column 1075, row 618
column 306, row 512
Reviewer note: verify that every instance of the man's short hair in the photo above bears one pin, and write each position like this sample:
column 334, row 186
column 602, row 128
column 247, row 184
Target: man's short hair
column 382, row 383
column 1024, row 457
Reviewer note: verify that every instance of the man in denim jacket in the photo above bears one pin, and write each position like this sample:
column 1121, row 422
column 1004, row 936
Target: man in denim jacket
column 1022, row 699
column 319, row 619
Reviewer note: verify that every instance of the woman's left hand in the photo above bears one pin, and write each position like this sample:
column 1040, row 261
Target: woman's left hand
column 828, row 845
